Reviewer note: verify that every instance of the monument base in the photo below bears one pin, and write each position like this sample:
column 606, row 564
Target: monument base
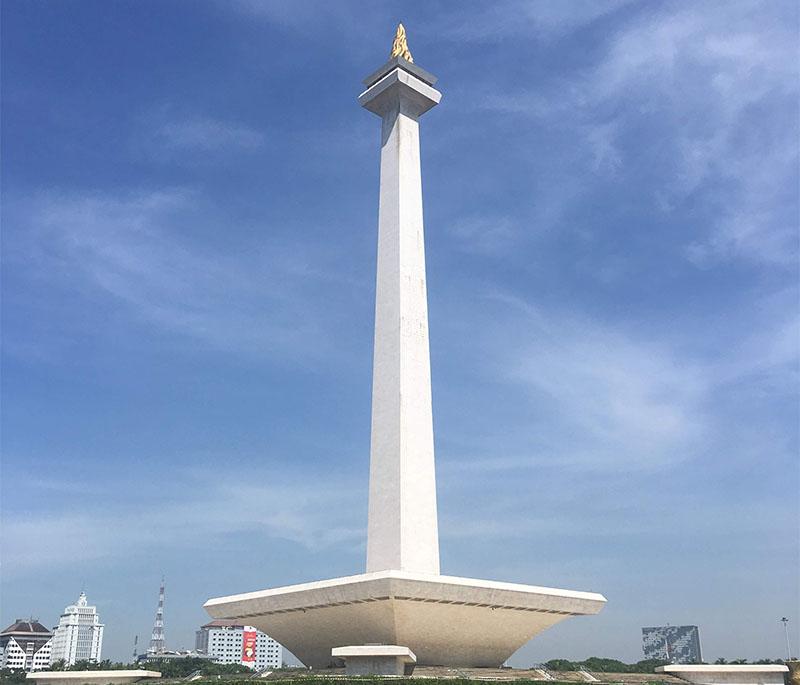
column 444, row 620
column 376, row 659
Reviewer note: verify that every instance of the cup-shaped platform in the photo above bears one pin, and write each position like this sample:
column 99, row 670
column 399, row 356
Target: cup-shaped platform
column 444, row 620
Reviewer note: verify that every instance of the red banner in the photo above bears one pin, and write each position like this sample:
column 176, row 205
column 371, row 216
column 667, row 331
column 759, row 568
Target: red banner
column 249, row 637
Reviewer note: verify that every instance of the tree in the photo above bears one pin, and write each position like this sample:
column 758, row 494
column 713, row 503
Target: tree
column 10, row 676
column 602, row 665
column 180, row 668
column 648, row 665
column 561, row 665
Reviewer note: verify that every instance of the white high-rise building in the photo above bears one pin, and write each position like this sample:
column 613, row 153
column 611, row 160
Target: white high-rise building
column 78, row 635
column 230, row 642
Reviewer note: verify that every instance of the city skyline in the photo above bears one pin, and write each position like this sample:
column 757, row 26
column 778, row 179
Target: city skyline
column 189, row 247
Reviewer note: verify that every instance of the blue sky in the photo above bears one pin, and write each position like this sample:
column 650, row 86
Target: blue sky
column 189, row 233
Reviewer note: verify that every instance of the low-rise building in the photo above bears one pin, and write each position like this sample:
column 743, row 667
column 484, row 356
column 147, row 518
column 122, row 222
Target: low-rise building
column 229, row 642
column 25, row 646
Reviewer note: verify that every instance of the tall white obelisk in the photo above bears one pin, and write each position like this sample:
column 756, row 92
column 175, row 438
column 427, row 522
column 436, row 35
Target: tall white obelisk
column 403, row 531
column 402, row 602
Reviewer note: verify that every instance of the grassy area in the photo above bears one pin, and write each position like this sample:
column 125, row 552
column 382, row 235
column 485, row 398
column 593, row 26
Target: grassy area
column 367, row 680
column 299, row 676
column 295, row 679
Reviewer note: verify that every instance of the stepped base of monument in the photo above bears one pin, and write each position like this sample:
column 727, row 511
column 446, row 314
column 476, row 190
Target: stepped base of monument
column 444, row 620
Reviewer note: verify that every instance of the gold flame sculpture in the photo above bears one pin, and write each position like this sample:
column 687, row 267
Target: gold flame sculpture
column 400, row 45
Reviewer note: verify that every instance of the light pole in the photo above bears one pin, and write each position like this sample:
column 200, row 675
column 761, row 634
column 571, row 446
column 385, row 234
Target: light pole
column 785, row 622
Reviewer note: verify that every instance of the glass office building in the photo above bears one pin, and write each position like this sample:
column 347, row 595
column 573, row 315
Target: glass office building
column 674, row 644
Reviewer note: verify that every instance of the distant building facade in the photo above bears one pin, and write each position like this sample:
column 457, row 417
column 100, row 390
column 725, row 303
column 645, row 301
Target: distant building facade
column 229, row 642
column 673, row 644
column 78, row 635
column 25, row 646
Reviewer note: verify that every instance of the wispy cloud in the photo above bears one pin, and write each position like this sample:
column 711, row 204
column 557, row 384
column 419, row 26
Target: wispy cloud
column 168, row 134
column 608, row 398
column 289, row 14
column 207, row 134
column 484, row 235
column 595, row 509
column 488, row 23
column 135, row 248
column 730, row 86
column 723, row 84
column 191, row 518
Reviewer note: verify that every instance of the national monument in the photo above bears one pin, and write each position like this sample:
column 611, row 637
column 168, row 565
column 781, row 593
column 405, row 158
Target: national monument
column 402, row 600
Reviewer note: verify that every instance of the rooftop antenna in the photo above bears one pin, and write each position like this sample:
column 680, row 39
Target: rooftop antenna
column 785, row 622
column 157, row 638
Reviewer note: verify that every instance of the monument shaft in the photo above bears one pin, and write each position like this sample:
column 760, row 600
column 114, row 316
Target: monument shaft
column 402, row 531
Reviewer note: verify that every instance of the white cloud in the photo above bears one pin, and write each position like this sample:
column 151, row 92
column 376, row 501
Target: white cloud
column 610, row 401
column 490, row 235
column 136, row 249
column 290, row 14
column 719, row 73
column 723, row 81
column 610, row 398
column 169, row 134
column 750, row 227
column 206, row 511
column 207, row 134
column 497, row 21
